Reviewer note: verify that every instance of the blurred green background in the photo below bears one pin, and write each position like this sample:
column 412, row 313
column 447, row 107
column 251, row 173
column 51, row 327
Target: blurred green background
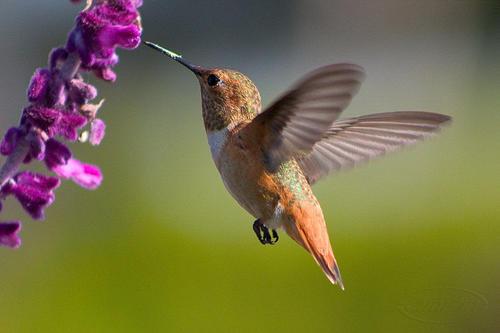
column 162, row 247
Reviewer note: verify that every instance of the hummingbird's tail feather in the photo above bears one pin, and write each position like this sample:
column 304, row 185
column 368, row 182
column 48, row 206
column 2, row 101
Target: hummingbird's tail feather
column 312, row 234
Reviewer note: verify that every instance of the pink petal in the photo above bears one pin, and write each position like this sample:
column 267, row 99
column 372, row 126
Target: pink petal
column 97, row 131
column 86, row 175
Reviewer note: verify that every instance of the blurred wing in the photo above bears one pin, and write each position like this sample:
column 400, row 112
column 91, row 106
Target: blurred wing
column 296, row 121
column 351, row 141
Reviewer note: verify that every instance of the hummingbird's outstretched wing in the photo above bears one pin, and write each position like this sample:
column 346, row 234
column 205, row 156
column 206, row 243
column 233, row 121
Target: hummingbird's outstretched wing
column 295, row 122
column 351, row 141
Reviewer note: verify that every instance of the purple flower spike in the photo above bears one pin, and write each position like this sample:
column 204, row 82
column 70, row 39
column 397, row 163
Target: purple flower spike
column 9, row 141
column 34, row 192
column 60, row 106
column 86, row 175
column 97, row 131
column 8, row 234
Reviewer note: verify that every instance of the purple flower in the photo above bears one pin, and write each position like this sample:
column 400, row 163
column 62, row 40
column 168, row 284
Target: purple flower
column 39, row 85
column 56, row 154
column 106, row 73
column 58, row 159
column 97, row 131
column 34, row 191
column 86, row 175
column 47, row 88
column 40, row 117
column 119, row 11
column 81, row 92
column 69, row 125
column 102, row 28
column 8, row 234
column 53, row 121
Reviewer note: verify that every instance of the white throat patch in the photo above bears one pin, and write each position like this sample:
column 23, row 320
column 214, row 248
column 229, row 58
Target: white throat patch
column 217, row 140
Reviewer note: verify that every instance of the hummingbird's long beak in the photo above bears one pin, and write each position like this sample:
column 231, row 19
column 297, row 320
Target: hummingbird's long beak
column 177, row 57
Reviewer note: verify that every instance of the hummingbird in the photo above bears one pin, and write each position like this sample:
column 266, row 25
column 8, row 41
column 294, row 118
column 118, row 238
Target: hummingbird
column 269, row 158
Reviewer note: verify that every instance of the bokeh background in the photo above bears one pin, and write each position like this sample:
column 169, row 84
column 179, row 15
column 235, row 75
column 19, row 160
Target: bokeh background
column 162, row 247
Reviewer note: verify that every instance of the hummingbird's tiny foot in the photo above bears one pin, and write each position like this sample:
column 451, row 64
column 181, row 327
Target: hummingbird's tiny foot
column 267, row 235
column 276, row 238
column 263, row 234
column 257, row 225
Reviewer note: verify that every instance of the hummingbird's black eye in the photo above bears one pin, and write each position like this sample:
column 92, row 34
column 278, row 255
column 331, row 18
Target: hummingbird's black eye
column 213, row 80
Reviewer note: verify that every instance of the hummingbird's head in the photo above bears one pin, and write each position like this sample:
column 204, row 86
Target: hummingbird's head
column 228, row 96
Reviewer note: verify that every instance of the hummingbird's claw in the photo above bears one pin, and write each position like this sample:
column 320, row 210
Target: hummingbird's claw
column 257, row 229
column 263, row 235
column 275, row 237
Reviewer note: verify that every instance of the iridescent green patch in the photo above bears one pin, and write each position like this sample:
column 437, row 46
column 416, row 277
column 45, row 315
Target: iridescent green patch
column 289, row 175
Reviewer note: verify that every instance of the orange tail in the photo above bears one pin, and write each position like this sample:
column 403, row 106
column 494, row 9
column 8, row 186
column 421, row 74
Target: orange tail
column 313, row 236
